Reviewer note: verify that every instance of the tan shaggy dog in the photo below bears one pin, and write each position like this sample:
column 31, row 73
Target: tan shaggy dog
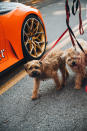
column 77, row 61
column 45, row 69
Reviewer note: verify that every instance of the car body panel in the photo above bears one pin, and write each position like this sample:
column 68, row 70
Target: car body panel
column 10, row 34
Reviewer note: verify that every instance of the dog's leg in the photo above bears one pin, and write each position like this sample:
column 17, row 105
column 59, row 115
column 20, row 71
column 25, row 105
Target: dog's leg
column 78, row 81
column 79, row 77
column 64, row 73
column 35, row 88
column 56, row 80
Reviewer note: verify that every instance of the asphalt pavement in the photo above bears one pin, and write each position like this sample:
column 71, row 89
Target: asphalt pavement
column 64, row 110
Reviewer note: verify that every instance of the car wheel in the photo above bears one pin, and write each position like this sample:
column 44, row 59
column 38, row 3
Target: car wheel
column 33, row 37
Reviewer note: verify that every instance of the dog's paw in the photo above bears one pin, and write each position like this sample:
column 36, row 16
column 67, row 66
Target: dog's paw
column 58, row 88
column 77, row 87
column 34, row 97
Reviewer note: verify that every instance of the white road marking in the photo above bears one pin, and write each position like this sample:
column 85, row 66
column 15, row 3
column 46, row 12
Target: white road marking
column 63, row 12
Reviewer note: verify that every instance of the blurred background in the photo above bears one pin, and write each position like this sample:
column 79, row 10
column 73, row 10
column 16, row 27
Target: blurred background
column 29, row 2
column 23, row 1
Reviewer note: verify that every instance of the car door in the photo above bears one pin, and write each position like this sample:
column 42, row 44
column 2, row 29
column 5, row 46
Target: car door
column 3, row 54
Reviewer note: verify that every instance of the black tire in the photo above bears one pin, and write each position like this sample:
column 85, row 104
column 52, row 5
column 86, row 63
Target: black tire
column 33, row 37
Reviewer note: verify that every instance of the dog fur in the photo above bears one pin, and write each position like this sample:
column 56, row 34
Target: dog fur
column 47, row 68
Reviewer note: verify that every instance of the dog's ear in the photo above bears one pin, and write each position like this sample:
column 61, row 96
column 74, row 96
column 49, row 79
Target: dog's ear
column 25, row 66
column 66, row 53
column 63, row 56
column 40, row 62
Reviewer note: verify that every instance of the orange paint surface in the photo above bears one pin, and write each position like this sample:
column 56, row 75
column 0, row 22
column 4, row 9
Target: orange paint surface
column 10, row 35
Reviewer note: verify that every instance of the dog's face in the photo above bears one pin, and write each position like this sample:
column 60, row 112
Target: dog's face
column 73, row 62
column 33, row 68
column 73, row 59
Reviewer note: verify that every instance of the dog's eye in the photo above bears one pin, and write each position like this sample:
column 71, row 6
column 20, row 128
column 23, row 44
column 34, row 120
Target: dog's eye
column 30, row 68
column 36, row 67
column 69, row 59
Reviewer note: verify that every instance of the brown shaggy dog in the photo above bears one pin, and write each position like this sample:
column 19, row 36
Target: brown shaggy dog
column 47, row 68
column 77, row 61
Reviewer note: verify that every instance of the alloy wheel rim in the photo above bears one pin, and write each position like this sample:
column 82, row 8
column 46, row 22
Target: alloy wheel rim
column 34, row 37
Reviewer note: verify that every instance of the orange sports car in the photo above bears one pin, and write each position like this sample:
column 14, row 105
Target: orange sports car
column 22, row 34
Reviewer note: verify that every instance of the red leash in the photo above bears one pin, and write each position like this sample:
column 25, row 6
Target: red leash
column 72, row 36
column 57, row 41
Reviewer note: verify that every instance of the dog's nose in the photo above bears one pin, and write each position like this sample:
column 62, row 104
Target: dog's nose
column 35, row 73
column 73, row 63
